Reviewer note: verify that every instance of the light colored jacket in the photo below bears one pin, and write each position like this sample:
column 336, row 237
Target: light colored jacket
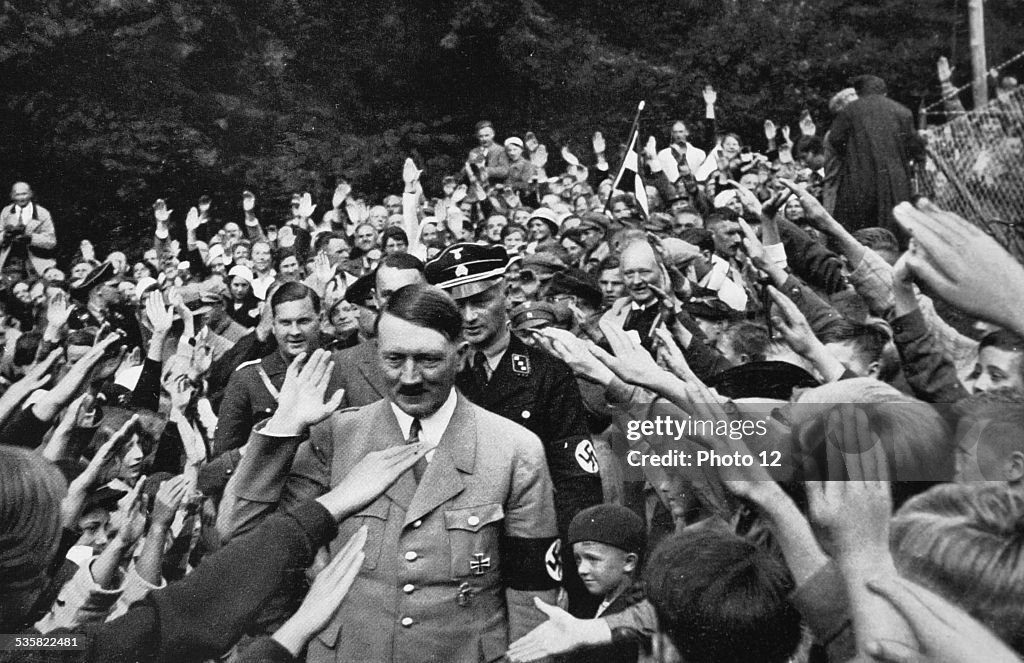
column 428, row 544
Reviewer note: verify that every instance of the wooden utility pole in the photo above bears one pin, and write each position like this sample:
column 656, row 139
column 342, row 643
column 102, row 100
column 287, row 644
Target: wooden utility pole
column 976, row 13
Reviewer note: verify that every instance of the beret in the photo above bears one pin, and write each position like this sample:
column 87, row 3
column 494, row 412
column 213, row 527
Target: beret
column 762, row 379
column 611, row 524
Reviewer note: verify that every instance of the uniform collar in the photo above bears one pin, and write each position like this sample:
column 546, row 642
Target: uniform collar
column 496, row 351
column 432, row 427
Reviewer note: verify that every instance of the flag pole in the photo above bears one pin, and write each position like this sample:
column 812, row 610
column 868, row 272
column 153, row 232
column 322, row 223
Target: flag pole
column 630, row 142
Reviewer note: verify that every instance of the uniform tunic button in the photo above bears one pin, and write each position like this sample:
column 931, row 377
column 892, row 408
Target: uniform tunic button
column 406, row 621
column 473, row 521
column 408, row 589
column 417, row 523
column 411, row 556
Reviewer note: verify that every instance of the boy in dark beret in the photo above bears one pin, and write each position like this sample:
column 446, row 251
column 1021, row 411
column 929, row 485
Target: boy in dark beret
column 608, row 543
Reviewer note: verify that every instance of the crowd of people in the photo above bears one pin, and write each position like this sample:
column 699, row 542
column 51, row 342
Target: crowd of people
column 430, row 429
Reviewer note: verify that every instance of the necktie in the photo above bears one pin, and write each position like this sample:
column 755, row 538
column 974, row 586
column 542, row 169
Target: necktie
column 414, row 437
column 480, row 369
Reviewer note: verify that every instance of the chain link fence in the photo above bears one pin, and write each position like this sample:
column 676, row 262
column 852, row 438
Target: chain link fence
column 975, row 167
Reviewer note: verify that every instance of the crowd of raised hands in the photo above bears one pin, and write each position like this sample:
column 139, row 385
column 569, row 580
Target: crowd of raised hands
column 882, row 510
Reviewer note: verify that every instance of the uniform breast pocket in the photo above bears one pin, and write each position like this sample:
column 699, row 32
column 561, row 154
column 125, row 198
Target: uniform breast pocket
column 375, row 517
column 474, row 533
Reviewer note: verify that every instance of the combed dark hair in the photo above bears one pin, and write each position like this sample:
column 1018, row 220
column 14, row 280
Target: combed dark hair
column 965, row 542
column 425, row 306
column 153, row 271
column 25, row 348
column 402, row 261
column 393, row 232
column 751, row 339
column 877, row 239
column 323, row 239
column 720, row 215
column 610, row 262
column 722, row 599
column 293, row 291
column 868, row 340
column 285, row 253
column 85, row 336
column 809, row 144
column 1002, row 339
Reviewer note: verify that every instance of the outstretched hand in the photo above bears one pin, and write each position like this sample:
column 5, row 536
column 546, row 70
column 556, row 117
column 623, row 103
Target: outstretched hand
column 306, row 206
column 561, row 633
column 370, row 477
column 956, row 261
column 302, row 403
column 814, row 212
column 807, row 126
column 630, row 361
column 161, row 317
column 944, row 632
column 324, row 597
column 854, row 504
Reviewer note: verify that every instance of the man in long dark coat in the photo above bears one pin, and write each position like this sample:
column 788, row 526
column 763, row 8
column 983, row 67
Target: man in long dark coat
column 875, row 141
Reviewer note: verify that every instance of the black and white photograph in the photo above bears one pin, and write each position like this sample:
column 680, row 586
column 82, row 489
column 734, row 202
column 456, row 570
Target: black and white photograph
column 479, row 331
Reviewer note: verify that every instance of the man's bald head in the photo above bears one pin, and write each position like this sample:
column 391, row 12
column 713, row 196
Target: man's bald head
column 21, row 193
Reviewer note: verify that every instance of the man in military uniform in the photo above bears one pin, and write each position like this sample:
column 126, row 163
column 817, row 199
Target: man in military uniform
column 252, row 392
column 523, row 384
column 456, row 548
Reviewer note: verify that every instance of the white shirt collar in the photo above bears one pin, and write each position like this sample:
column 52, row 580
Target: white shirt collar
column 432, row 428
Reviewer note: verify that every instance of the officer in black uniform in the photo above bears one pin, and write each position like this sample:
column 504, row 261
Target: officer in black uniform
column 523, row 384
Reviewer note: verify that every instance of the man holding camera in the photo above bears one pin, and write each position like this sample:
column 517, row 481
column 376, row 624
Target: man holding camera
column 26, row 231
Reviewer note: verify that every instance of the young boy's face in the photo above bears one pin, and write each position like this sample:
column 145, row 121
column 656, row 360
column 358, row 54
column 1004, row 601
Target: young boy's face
column 602, row 567
column 95, row 528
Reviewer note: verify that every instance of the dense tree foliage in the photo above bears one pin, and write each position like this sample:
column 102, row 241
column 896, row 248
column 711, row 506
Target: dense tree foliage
column 108, row 104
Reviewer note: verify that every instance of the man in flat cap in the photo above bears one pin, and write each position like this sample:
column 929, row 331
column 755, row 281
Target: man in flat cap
column 521, row 383
column 576, row 297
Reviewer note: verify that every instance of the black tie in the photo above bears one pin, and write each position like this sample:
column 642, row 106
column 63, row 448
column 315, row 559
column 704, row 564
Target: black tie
column 480, row 369
column 414, row 438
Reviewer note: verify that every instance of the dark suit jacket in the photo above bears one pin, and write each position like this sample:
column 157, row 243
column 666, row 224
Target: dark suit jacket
column 359, row 374
column 485, row 499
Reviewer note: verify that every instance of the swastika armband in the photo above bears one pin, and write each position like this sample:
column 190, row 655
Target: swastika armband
column 531, row 564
